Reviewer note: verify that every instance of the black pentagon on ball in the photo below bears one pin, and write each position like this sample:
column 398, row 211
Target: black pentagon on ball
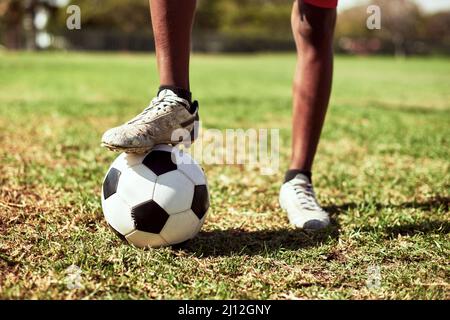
column 149, row 217
column 110, row 183
column 159, row 162
column 200, row 202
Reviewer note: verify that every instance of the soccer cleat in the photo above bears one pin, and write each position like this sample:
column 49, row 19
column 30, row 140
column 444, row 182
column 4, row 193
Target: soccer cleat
column 298, row 199
column 156, row 124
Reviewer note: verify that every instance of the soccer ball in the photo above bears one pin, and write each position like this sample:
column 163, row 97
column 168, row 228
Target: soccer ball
column 156, row 199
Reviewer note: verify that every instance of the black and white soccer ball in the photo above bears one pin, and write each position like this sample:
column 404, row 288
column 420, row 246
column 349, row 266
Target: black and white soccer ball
column 156, row 199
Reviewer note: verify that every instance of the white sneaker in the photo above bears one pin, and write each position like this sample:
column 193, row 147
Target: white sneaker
column 154, row 125
column 298, row 199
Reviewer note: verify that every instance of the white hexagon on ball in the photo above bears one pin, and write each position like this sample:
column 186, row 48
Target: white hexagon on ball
column 174, row 192
column 136, row 185
column 142, row 239
column 118, row 214
column 180, row 227
column 190, row 167
column 127, row 160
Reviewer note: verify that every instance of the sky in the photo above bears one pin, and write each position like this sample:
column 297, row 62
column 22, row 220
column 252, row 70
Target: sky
column 426, row 5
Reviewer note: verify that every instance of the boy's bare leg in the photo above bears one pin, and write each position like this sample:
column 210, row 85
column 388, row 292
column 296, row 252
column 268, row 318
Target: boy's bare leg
column 173, row 108
column 172, row 26
column 313, row 29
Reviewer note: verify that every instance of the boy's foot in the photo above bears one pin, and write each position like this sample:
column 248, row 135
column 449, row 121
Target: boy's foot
column 154, row 125
column 298, row 199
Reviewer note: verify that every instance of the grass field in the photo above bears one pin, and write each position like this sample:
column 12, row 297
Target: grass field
column 382, row 171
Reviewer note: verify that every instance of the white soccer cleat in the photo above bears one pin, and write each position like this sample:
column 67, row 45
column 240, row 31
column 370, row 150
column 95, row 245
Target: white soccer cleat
column 156, row 124
column 298, row 199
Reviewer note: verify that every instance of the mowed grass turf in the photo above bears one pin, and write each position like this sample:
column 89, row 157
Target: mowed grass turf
column 382, row 171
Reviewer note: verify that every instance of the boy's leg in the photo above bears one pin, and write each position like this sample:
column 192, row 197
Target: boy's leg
column 313, row 29
column 172, row 25
column 173, row 108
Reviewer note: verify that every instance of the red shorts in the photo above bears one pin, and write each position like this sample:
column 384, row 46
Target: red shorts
column 323, row 3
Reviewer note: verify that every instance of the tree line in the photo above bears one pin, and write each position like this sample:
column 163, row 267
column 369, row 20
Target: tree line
column 227, row 25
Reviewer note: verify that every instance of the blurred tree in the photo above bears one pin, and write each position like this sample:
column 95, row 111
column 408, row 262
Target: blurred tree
column 229, row 16
column 437, row 31
column 17, row 21
column 401, row 22
column 268, row 18
column 209, row 15
column 11, row 13
column 127, row 16
column 222, row 24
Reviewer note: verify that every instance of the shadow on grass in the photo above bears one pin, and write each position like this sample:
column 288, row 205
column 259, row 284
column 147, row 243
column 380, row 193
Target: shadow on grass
column 409, row 229
column 432, row 204
column 239, row 242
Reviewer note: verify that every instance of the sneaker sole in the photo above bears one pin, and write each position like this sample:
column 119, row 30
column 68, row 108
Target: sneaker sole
column 137, row 150
column 124, row 149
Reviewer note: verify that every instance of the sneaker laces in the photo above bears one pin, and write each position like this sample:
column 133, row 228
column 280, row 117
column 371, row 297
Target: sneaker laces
column 159, row 103
column 306, row 195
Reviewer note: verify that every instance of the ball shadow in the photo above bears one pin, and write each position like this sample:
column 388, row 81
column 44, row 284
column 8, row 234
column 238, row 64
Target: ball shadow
column 232, row 242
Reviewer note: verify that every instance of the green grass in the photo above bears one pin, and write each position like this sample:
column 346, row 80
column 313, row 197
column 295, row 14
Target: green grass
column 382, row 171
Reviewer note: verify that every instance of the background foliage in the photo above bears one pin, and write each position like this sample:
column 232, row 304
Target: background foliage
column 230, row 25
